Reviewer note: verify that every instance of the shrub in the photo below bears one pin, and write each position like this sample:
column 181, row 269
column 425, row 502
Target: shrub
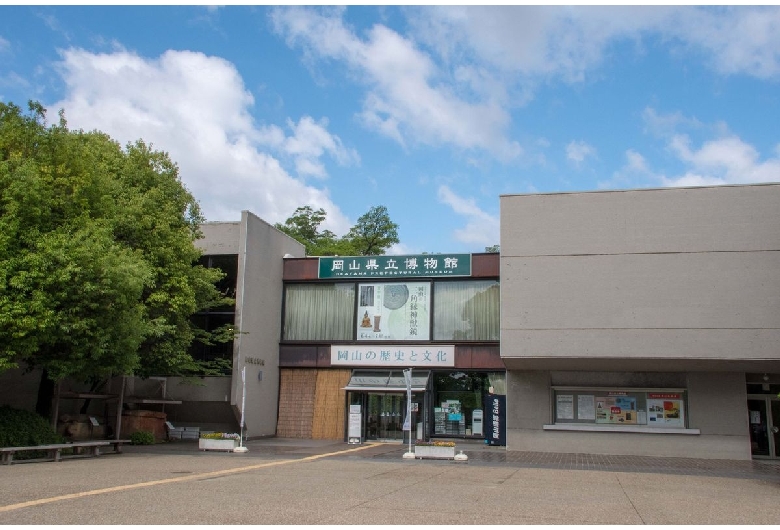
column 142, row 438
column 22, row 428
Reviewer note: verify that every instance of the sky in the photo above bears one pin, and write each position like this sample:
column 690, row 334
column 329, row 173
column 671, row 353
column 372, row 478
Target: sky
column 433, row 112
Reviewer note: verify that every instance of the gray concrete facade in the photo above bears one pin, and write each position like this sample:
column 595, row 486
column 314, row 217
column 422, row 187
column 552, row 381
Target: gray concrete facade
column 640, row 289
column 260, row 248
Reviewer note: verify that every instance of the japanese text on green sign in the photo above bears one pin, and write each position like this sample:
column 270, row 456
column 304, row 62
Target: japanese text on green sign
column 395, row 266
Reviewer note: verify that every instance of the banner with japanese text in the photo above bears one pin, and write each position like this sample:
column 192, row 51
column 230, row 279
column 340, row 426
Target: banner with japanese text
column 423, row 265
column 433, row 355
column 394, row 311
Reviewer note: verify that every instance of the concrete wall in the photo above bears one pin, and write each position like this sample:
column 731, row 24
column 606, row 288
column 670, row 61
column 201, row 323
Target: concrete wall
column 679, row 286
column 220, row 238
column 260, row 248
column 259, row 316
column 672, row 273
column 717, row 406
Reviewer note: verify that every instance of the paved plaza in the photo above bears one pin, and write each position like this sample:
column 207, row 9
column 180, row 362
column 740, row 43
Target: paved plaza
column 282, row 481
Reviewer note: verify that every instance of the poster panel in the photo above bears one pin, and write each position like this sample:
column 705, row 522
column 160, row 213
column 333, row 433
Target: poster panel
column 665, row 410
column 586, row 407
column 565, row 407
column 393, row 311
column 616, row 410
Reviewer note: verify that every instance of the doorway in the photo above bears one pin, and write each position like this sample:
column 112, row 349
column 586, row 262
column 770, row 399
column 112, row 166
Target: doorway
column 764, row 422
column 383, row 415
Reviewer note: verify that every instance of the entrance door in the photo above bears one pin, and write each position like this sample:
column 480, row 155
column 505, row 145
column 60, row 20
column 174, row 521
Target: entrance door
column 764, row 421
column 385, row 416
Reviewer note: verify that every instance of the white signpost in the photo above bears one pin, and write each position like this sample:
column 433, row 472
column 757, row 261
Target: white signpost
column 241, row 448
column 408, row 421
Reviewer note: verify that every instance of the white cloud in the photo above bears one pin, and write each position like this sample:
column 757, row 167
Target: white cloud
column 578, row 151
column 12, row 79
column 4, row 45
column 408, row 96
column 481, row 228
column 738, row 40
column 310, row 141
column 196, row 108
column 726, row 160
column 569, row 42
column 634, row 173
column 454, row 78
column 665, row 124
column 534, row 42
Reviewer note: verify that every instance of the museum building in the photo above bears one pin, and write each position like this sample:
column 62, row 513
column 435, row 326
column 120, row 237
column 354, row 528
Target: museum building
column 639, row 322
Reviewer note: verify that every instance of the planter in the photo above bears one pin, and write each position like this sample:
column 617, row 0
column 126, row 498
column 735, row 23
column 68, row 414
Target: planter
column 207, row 444
column 433, row 451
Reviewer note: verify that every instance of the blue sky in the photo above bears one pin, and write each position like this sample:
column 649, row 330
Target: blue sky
column 433, row 112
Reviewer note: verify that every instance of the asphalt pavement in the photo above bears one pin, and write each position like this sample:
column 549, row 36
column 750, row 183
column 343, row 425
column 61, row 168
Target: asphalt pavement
column 313, row 482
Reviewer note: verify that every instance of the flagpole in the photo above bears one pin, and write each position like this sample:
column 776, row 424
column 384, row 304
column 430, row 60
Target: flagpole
column 241, row 448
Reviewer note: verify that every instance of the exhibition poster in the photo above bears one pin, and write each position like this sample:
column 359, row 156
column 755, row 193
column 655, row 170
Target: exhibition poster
column 616, row 410
column 665, row 410
column 394, row 311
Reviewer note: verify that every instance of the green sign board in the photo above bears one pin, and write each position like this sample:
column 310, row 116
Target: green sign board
column 416, row 266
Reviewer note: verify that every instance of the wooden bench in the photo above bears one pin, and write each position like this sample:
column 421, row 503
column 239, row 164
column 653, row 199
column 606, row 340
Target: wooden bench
column 55, row 450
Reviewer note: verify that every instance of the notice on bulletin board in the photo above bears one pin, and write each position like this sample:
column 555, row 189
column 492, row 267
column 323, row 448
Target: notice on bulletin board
column 616, row 410
column 586, row 408
column 565, row 407
column 665, row 410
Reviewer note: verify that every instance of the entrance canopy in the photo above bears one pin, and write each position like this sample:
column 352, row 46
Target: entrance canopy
column 386, row 381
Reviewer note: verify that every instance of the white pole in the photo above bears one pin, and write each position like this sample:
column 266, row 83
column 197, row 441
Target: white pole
column 408, row 422
column 241, row 448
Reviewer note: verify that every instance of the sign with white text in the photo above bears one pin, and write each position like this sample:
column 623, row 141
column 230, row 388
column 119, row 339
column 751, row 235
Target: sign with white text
column 423, row 265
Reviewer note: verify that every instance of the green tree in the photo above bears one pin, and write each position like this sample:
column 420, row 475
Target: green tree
column 97, row 254
column 374, row 232
column 493, row 248
column 304, row 226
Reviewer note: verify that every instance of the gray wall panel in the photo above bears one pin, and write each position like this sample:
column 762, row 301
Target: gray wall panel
column 717, row 404
column 703, row 344
column 258, row 314
column 698, row 290
column 724, row 218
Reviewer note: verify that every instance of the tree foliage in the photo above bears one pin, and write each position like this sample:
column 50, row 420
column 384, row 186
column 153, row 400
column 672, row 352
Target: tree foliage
column 374, row 232
column 372, row 235
column 96, row 253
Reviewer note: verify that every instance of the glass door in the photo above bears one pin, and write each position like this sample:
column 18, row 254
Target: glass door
column 764, row 423
column 385, row 416
column 385, row 413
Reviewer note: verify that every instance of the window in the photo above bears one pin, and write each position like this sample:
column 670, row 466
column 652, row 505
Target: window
column 457, row 395
column 663, row 408
column 466, row 310
column 319, row 312
column 392, row 311
column 217, row 317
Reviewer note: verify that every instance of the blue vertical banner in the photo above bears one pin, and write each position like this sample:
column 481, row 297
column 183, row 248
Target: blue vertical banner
column 495, row 419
